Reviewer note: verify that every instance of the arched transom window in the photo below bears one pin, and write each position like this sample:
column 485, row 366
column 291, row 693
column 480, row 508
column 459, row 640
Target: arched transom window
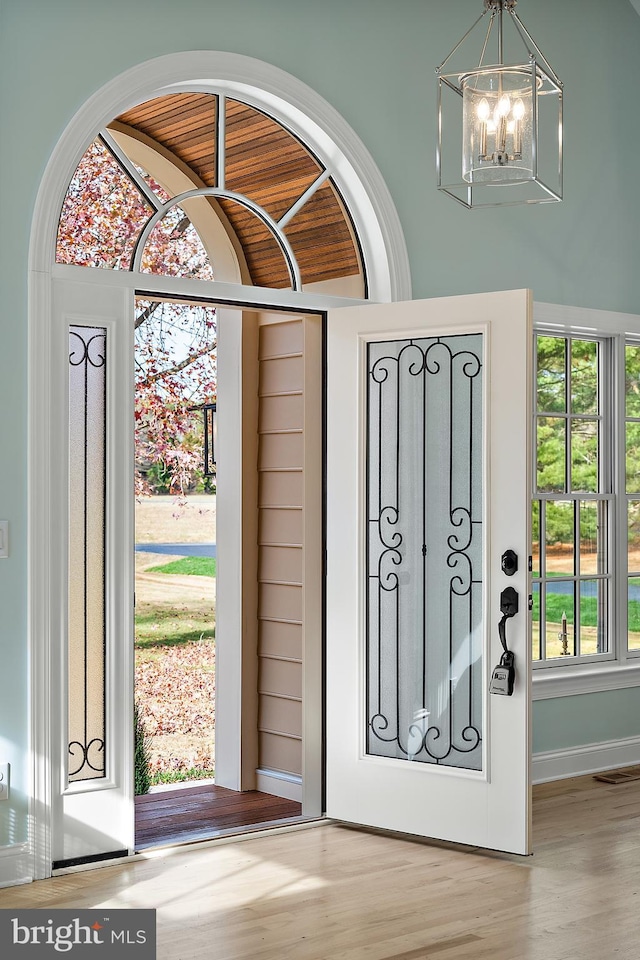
column 167, row 181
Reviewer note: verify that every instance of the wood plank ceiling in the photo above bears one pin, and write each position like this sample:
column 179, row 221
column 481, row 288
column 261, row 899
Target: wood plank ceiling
column 266, row 164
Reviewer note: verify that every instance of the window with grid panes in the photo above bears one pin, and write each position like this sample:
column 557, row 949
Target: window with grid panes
column 632, row 489
column 573, row 501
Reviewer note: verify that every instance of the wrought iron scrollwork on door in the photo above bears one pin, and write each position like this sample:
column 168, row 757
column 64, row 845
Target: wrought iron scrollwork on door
column 87, row 510
column 424, row 550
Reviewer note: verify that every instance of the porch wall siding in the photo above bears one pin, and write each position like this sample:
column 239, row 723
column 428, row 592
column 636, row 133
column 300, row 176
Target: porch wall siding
column 281, row 525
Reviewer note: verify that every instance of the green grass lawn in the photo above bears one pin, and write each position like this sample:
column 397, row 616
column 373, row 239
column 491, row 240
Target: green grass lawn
column 189, row 566
column 180, row 776
column 557, row 604
column 162, row 627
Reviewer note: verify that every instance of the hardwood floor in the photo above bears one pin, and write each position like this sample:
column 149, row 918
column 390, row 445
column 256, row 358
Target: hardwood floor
column 336, row 893
column 206, row 810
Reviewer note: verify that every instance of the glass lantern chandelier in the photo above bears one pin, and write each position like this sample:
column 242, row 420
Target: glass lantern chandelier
column 500, row 123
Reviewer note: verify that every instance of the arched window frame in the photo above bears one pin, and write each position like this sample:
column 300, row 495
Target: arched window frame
column 297, row 107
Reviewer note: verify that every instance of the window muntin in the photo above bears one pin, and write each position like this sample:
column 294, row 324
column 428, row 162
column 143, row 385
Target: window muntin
column 161, row 193
column 571, row 515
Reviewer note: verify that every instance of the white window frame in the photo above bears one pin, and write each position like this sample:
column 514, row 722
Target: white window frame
column 606, row 492
column 619, row 668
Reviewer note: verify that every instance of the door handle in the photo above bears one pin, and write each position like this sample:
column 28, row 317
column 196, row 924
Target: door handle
column 508, row 609
column 504, row 675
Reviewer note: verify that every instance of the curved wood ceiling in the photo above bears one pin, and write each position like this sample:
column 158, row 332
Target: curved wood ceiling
column 265, row 163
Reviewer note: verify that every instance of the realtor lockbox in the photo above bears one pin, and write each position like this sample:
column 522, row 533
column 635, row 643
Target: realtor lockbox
column 101, row 934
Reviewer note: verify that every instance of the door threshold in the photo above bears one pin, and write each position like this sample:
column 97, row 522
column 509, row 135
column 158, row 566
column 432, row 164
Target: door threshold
column 160, row 788
column 249, row 831
column 235, row 835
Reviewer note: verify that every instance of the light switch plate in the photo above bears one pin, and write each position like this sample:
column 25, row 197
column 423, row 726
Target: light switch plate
column 4, row 541
column 4, row 781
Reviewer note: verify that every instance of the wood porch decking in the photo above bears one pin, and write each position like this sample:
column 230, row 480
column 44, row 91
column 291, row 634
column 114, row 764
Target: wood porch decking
column 203, row 811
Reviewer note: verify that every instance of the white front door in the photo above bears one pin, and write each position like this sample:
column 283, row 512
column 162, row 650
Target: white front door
column 428, row 484
column 91, row 551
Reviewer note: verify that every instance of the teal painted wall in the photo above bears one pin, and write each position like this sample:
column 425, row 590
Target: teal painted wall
column 589, row 718
column 374, row 62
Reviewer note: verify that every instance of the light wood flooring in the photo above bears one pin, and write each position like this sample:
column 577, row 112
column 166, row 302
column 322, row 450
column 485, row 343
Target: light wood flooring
column 335, row 893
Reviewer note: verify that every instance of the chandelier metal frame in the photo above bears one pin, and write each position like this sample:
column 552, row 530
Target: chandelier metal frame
column 493, row 178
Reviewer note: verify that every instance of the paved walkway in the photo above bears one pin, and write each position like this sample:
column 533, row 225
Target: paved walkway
column 179, row 549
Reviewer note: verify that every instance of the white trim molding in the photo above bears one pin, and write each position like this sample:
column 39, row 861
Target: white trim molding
column 585, row 319
column 15, row 864
column 279, row 784
column 550, row 682
column 219, row 291
column 585, row 759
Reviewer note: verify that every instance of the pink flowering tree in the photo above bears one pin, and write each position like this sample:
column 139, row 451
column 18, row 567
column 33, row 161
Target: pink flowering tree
column 102, row 217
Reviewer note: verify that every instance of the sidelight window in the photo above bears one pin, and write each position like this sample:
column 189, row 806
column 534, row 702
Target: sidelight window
column 87, row 552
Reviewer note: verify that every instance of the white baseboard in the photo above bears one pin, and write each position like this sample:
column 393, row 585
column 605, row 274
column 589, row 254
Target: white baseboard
column 286, row 785
column 589, row 758
column 15, row 864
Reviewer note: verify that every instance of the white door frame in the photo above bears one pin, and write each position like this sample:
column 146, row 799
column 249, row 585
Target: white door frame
column 385, row 259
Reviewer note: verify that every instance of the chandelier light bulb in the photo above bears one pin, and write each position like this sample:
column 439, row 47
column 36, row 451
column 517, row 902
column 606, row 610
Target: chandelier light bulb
column 503, row 109
column 484, row 111
column 504, row 106
column 518, row 114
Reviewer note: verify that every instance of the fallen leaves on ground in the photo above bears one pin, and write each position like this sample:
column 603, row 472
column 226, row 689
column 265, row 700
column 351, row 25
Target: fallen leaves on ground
column 175, row 687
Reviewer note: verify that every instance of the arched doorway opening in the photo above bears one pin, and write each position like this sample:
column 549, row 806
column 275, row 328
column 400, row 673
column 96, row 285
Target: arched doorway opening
column 251, row 244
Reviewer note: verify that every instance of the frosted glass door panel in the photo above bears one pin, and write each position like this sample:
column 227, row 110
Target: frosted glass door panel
column 424, row 596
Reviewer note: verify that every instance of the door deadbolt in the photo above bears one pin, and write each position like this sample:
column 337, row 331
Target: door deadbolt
column 509, row 563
